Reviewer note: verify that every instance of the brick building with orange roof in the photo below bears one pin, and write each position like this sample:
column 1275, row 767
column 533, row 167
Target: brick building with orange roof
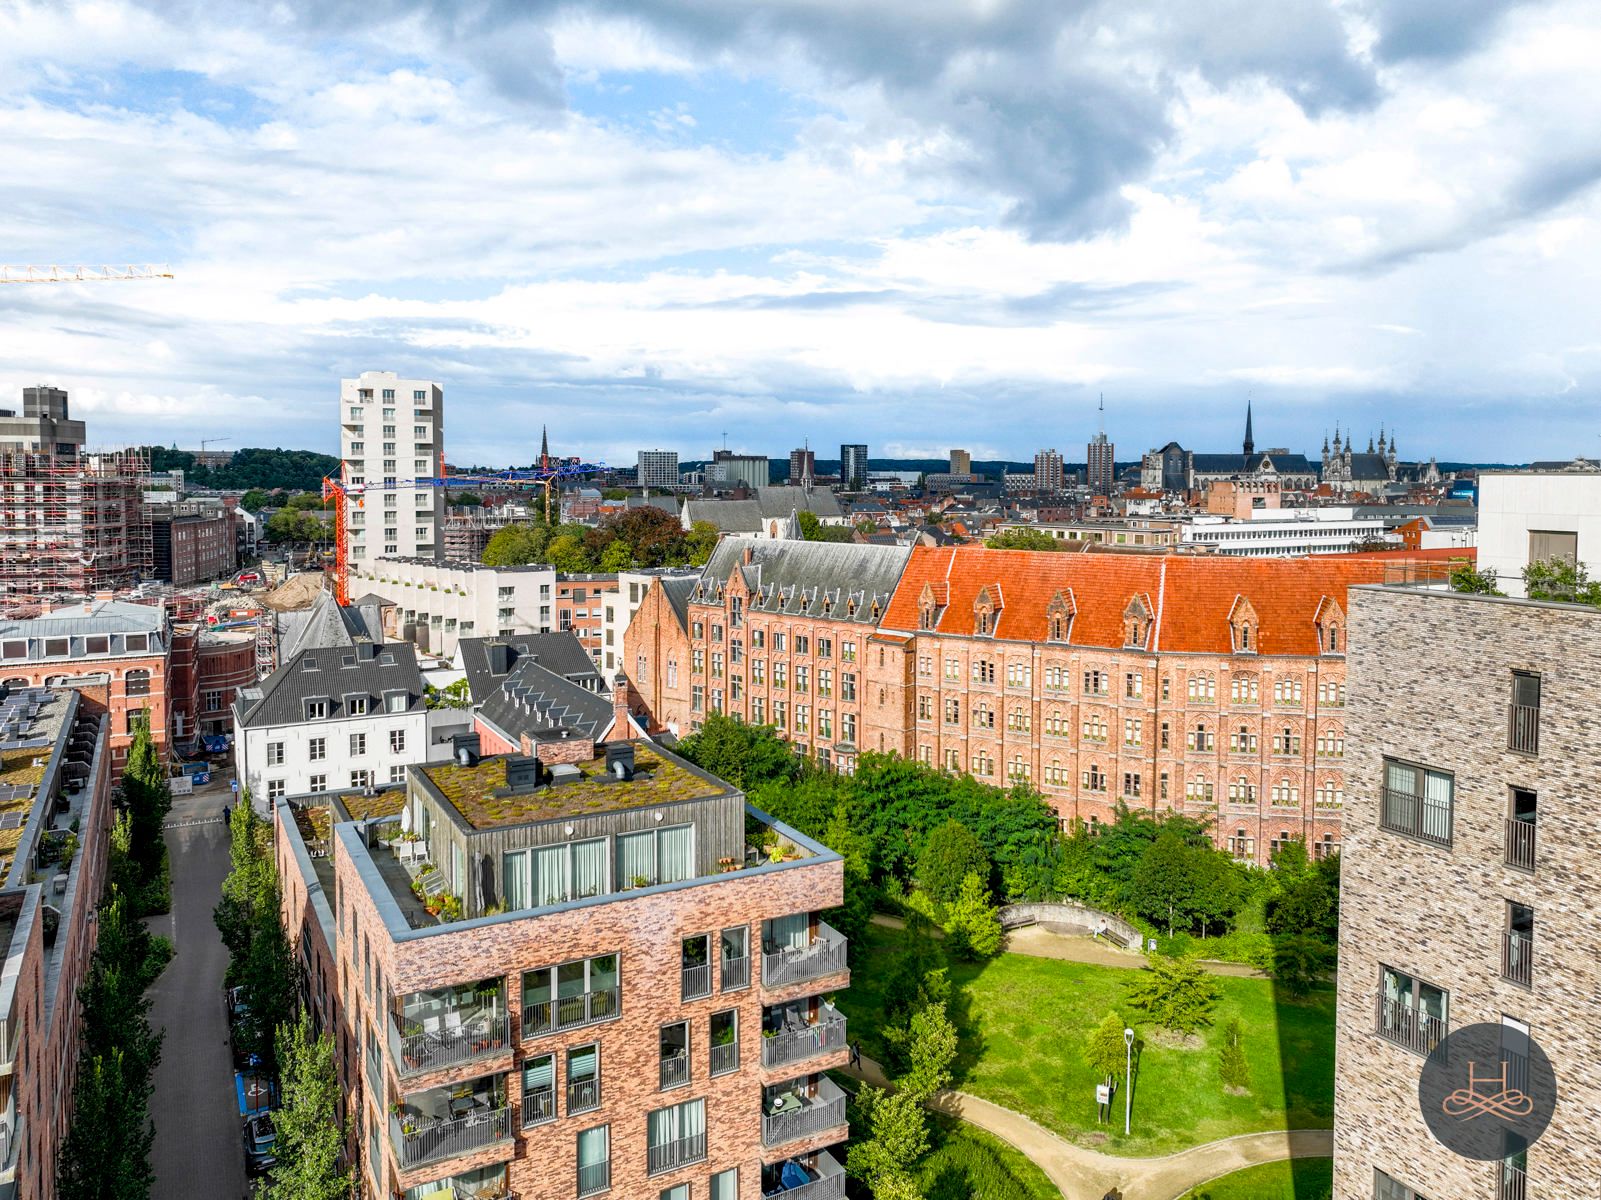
column 1208, row 685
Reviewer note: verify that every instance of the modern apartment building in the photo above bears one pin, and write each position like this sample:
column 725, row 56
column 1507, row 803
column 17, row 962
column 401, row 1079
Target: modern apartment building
column 1468, row 883
column 1048, row 474
column 961, row 462
column 391, row 431
column 44, row 426
column 591, row 969
column 658, row 469
column 1528, row 516
column 1210, row 686
column 581, row 608
column 853, row 466
column 55, row 793
column 1101, row 470
column 1276, row 532
column 435, row 603
column 193, row 541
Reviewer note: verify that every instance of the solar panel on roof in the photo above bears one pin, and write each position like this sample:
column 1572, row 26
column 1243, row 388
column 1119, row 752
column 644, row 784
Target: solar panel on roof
column 11, row 820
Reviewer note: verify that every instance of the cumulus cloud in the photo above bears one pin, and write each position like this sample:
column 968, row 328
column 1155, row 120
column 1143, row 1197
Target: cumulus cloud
column 794, row 219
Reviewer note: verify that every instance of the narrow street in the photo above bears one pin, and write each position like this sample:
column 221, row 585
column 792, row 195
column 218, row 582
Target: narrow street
column 198, row 1150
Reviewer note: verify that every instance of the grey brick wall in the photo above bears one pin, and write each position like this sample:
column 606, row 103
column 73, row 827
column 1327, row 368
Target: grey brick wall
column 1430, row 682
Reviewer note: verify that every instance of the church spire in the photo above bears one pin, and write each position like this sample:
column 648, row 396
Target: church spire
column 1250, row 443
column 544, row 448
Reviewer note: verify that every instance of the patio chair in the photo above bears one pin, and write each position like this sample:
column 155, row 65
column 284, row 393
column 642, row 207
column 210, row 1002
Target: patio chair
column 453, row 1024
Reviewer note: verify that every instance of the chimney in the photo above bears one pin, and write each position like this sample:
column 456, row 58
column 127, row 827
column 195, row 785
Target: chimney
column 619, row 706
column 747, row 556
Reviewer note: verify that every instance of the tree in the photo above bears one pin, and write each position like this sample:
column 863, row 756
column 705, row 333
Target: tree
column 1298, row 963
column 745, row 755
column 566, row 553
column 146, row 798
column 973, row 923
column 106, row 1153
column 247, row 917
column 950, row 855
column 467, row 500
column 1175, row 993
column 898, row 1137
column 1560, row 579
column 931, row 1049
column 309, row 1135
column 1165, row 882
column 1020, row 538
column 1104, row 1048
column 516, row 545
column 619, row 556
column 254, row 500
column 700, row 541
column 856, row 913
column 1232, row 1067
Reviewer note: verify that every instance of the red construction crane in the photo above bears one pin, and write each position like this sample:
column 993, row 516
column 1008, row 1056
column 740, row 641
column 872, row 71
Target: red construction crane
column 343, row 494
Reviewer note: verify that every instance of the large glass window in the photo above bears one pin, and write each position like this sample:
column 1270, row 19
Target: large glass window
column 675, row 1135
column 583, row 1078
column 571, row 994
column 725, row 1185
column 594, row 1160
column 1411, row 1011
column 539, row 1089
column 1418, row 801
column 555, row 874
column 656, row 856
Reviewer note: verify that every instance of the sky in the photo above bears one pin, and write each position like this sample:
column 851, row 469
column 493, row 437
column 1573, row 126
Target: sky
column 917, row 224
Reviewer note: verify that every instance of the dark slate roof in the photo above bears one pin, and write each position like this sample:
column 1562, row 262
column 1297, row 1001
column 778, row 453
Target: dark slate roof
column 326, row 624
column 846, row 581
column 679, row 588
column 540, row 703
column 490, row 661
column 335, row 673
column 770, row 504
column 1369, row 466
column 1232, row 464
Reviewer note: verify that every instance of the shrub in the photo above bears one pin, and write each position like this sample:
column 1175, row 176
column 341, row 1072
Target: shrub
column 1175, row 993
column 1104, row 1048
column 950, row 855
column 1232, row 1067
column 1298, row 963
column 972, row 922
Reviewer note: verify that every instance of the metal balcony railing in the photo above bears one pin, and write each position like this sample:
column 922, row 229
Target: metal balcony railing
column 829, row 1184
column 539, row 1107
column 667, row 1156
column 594, row 1178
column 1520, row 844
column 583, row 1095
column 736, row 973
column 416, row 1050
column 725, row 1058
column 808, row 1041
column 674, row 1070
column 1517, row 957
column 1523, row 728
column 825, row 956
column 824, row 1111
column 1407, row 1026
column 447, row 1139
column 1423, row 817
column 697, row 982
column 570, row 1012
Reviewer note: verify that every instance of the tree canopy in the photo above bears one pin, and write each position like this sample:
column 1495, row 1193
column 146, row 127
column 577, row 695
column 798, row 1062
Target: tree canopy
column 298, row 470
column 637, row 537
column 1022, row 539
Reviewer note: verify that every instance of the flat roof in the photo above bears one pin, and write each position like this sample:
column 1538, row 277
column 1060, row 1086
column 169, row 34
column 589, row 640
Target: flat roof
column 657, row 780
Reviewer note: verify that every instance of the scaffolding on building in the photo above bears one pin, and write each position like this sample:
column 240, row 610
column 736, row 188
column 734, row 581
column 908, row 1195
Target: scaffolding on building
column 72, row 526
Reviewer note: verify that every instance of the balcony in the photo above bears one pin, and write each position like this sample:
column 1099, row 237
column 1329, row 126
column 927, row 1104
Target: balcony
column 1517, row 958
column 447, row 1138
column 583, row 1095
column 790, row 1114
column 539, row 1107
column 736, row 973
column 1523, row 728
column 674, row 1071
column 797, row 1042
column 570, row 1012
column 820, row 1178
column 724, row 1057
column 1512, row 1182
column 824, row 956
column 1409, row 1027
column 669, row 1156
column 447, row 1039
column 1422, row 817
column 697, row 981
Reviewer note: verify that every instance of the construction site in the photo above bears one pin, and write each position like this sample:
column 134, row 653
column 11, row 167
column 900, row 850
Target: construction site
column 71, row 526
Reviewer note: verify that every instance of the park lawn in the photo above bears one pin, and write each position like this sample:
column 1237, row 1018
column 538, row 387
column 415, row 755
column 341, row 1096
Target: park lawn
column 1022, row 1022
column 968, row 1163
column 1298, row 1179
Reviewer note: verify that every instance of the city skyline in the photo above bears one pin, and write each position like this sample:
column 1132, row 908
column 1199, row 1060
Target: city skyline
column 1364, row 214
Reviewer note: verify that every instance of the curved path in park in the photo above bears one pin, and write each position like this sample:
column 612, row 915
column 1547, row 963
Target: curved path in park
column 1082, row 1174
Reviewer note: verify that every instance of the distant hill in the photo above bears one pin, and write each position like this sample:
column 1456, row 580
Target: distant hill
column 293, row 470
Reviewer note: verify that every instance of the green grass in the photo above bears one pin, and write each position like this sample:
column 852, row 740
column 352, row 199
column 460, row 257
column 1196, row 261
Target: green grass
column 1301, row 1179
column 1022, row 1023
column 969, row 1164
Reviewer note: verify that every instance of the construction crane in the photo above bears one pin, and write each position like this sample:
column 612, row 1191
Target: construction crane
column 343, row 493
column 55, row 274
column 204, row 442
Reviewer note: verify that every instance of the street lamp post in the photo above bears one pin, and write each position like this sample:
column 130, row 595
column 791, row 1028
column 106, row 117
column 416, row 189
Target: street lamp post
column 1128, row 1078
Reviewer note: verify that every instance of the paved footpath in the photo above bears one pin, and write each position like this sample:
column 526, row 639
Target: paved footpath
column 1081, row 1174
column 199, row 1151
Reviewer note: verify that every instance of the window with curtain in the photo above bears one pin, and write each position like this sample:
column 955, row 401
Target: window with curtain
column 677, row 853
column 636, row 859
column 514, row 880
column 725, row 1185
column 674, row 1124
column 594, row 1146
column 788, row 933
column 583, row 1063
column 589, row 868
column 539, row 1074
column 552, row 874
column 1418, row 801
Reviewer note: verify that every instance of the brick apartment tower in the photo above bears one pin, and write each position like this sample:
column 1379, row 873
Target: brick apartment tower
column 1469, row 881
column 635, row 1001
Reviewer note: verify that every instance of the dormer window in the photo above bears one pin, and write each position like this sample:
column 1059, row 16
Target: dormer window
column 1330, row 622
column 986, row 611
column 316, row 710
column 1059, row 628
column 355, row 706
column 1243, row 632
column 1059, row 617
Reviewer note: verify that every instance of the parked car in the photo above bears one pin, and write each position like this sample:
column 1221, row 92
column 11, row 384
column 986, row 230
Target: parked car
column 260, row 1144
column 257, row 1093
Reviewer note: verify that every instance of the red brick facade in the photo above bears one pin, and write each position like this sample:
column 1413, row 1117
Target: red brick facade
column 1207, row 685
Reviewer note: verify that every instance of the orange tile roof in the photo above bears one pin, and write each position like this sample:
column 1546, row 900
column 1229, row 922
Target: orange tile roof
column 1192, row 594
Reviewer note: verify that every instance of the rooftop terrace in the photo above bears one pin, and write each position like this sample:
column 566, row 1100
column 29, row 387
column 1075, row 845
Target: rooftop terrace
column 478, row 792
